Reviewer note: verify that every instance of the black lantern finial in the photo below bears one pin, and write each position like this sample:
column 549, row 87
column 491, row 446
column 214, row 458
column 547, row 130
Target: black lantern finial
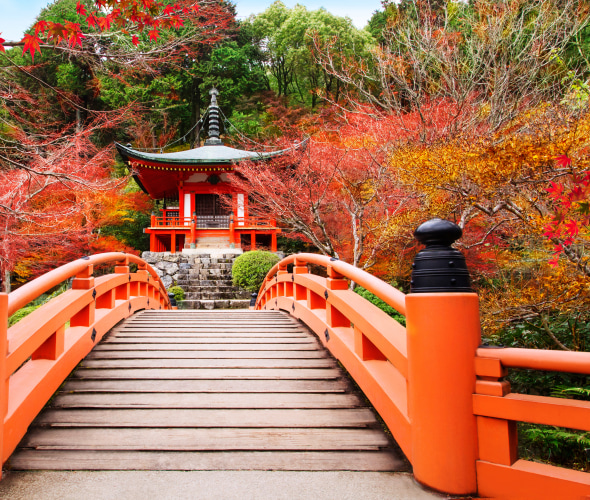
column 438, row 267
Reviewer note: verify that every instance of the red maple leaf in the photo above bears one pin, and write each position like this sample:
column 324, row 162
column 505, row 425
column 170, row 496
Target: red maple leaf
column 41, row 27
column 74, row 34
column 32, row 45
column 135, row 40
column 168, row 10
column 563, row 160
column 154, row 35
column 176, row 22
column 92, row 20
column 104, row 23
column 555, row 190
column 2, row 49
column 57, row 31
column 80, row 9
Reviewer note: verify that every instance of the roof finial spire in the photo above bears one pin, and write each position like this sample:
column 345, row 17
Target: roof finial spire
column 213, row 139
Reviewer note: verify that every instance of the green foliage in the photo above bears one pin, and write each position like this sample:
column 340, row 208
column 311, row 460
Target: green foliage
column 130, row 230
column 386, row 308
column 178, row 293
column 37, row 303
column 286, row 37
column 293, row 245
column 572, row 331
column 250, row 269
column 555, row 445
column 21, row 313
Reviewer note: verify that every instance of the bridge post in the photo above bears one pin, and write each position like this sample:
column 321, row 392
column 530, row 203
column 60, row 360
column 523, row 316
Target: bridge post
column 443, row 332
column 3, row 378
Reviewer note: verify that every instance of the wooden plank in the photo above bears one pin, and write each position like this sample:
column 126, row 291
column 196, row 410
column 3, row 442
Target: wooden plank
column 227, row 385
column 214, row 439
column 206, row 400
column 210, row 340
column 346, row 417
column 195, row 347
column 209, row 354
column 208, row 332
column 208, row 363
column 208, row 373
column 379, row 461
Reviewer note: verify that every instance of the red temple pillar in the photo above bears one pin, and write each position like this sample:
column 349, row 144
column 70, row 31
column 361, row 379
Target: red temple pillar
column 273, row 242
column 232, row 234
column 173, row 242
column 252, row 240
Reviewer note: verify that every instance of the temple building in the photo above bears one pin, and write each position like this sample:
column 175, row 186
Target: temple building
column 195, row 179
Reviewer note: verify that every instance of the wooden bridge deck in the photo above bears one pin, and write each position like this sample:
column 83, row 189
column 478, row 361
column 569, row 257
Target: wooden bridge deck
column 207, row 390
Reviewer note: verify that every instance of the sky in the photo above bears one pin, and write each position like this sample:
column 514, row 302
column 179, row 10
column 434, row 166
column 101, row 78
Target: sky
column 18, row 15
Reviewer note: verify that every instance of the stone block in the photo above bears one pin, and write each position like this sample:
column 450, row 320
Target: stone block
column 169, row 268
column 168, row 257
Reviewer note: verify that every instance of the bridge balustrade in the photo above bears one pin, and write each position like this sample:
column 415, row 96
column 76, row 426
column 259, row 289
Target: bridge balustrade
column 40, row 350
column 442, row 395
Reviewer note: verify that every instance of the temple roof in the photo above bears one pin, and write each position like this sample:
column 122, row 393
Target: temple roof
column 158, row 174
column 205, row 155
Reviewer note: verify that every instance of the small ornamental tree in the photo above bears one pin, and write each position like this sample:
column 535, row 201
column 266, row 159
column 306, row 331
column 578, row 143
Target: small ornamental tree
column 250, row 269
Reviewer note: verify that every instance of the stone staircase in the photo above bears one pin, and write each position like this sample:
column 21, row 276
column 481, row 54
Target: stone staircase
column 207, row 283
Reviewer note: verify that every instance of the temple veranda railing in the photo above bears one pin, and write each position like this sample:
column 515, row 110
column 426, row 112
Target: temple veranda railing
column 211, row 221
column 442, row 395
column 40, row 350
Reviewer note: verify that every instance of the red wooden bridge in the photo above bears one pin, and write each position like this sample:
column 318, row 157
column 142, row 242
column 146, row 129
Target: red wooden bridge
column 158, row 389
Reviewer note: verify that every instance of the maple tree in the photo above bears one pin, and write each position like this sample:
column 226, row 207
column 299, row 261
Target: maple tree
column 335, row 189
column 104, row 31
column 57, row 183
column 489, row 59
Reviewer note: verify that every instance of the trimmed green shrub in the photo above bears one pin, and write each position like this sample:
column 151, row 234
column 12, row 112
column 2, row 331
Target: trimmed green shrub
column 250, row 269
column 384, row 306
column 178, row 293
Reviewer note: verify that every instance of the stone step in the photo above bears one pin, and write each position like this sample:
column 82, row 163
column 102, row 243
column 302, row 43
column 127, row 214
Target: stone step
column 211, row 271
column 215, row 304
column 212, row 288
column 209, row 295
column 198, row 283
column 208, row 262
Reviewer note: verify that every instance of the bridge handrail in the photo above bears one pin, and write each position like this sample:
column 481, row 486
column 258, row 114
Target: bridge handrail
column 539, row 359
column 40, row 351
column 431, row 383
column 370, row 344
column 33, row 289
column 390, row 295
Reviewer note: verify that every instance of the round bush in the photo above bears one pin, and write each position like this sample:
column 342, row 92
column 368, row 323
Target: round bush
column 178, row 293
column 250, row 269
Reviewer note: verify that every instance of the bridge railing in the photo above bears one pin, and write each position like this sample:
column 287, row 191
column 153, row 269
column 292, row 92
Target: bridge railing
column 39, row 351
column 440, row 392
column 368, row 342
column 498, row 411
